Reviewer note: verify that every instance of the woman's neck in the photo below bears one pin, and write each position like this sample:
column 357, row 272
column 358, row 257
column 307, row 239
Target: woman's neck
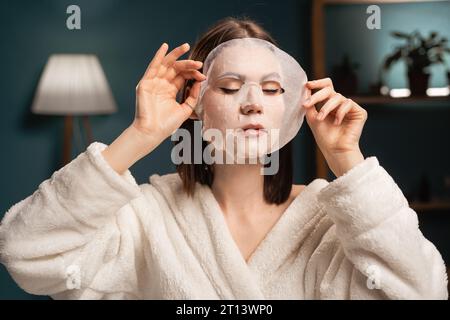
column 239, row 188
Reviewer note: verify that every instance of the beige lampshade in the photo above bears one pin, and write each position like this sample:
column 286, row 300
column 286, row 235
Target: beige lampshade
column 73, row 84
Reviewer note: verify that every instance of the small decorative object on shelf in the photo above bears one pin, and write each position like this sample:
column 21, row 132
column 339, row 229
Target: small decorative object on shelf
column 376, row 88
column 424, row 189
column 447, row 187
column 424, row 201
column 419, row 53
column 344, row 76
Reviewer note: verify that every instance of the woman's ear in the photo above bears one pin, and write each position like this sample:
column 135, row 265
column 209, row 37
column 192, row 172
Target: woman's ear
column 193, row 115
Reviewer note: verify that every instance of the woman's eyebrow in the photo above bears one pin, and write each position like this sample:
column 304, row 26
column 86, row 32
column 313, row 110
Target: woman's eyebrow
column 273, row 75
column 233, row 75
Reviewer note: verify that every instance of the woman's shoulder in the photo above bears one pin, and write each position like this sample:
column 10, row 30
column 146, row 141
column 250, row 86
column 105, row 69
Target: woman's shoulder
column 165, row 183
column 166, row 190
column 313, row 188
column 169, row 178
column 297, row 189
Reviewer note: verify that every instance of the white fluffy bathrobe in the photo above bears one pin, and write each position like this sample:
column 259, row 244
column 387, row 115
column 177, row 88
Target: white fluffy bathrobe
column 89, row 233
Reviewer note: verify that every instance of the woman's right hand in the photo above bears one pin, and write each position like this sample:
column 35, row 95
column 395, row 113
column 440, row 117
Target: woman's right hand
column 158, row 114
column 157, row 111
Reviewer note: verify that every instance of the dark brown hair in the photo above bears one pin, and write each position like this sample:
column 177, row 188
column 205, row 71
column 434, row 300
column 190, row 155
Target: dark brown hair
column 277, row 187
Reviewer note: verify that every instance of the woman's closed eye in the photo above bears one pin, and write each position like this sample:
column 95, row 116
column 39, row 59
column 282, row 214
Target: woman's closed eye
column 266, row 91
column 272, row 88
column 274, row 91
column 229, row 91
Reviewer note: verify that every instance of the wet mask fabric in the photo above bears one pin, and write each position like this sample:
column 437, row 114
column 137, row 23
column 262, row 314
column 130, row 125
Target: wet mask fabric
column 253, row 90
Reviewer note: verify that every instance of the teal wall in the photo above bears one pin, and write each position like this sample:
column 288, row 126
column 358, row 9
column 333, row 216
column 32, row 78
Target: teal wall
column 124, row 35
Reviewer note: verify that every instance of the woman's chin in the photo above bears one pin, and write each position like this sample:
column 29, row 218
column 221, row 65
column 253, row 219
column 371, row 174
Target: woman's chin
column 252, row 150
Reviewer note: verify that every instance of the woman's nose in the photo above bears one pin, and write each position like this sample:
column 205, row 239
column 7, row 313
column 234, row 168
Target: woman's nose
column 253, row 101
column 247, row 108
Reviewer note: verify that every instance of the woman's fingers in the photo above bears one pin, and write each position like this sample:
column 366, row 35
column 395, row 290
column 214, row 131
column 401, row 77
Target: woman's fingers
column 175, row 54
column 191, row 101
column 311, row 114
column 311, row 111
column 169, row 60
column 320, row 95
column 181, row 78
column 153, row 66
column 330, row 105
column 187, row 64
column 334, row 101
column 193, row 74
column 342, row 111
column 181, row 66
column 320, row 83
column 306, row 93
column 167, row 66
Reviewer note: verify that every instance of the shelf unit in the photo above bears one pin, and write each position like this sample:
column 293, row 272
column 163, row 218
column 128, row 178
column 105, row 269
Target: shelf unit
column 428, row 206
column 410, row 101
column 319, row 71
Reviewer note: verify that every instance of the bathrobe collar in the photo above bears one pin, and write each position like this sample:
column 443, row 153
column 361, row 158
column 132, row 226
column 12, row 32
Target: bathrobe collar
column 204, row 227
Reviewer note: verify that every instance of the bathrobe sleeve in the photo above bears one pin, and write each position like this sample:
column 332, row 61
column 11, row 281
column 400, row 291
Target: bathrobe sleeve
column 76, row 233
column 381, row 252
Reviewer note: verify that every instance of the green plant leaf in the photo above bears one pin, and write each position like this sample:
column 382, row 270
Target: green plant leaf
column 392, row 58
column 398, row 34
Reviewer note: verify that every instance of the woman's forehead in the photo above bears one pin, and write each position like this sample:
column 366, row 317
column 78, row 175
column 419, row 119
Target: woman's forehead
column 250, row 61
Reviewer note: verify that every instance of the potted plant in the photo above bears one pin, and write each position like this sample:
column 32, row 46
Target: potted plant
column 419, row 53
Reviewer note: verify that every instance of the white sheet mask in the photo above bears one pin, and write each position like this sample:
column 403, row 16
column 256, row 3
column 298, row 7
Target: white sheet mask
column 251, row 81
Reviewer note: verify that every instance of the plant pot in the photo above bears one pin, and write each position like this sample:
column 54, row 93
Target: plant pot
column 418, row 82
column 345, row 83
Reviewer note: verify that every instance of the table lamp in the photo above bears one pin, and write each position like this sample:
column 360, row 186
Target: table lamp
column 73, row 85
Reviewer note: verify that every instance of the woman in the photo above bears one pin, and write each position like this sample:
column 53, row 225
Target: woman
column 220, row 231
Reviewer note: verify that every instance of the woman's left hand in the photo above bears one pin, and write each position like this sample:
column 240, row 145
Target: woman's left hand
column 337, row 127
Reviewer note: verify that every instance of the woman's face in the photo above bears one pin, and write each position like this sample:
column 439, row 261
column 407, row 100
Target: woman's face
column 245, row 89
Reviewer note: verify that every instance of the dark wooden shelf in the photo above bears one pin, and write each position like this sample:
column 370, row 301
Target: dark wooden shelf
column 425, row 100
column 428, row 206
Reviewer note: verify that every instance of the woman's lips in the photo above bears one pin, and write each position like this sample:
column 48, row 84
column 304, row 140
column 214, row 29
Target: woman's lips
column 253, row 126
column 252, row 132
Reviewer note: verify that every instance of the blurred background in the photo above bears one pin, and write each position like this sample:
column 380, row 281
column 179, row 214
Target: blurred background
column 398, row 72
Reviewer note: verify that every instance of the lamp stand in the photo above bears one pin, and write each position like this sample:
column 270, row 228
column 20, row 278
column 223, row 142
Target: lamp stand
column 68, row 133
